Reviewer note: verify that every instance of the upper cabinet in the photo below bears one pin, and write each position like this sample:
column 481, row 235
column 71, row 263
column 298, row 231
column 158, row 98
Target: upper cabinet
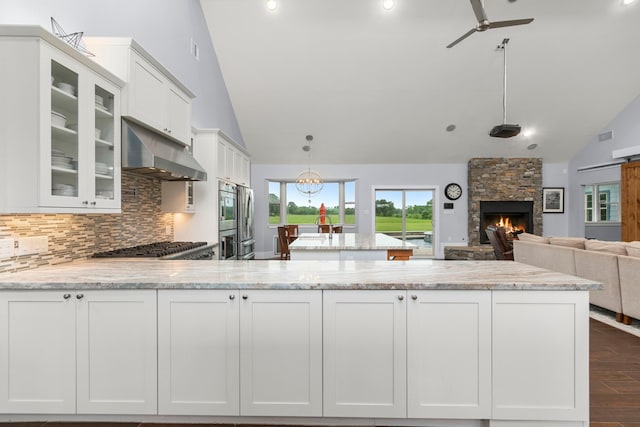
column 60, row 148
column 233, row 163
column 152, row 96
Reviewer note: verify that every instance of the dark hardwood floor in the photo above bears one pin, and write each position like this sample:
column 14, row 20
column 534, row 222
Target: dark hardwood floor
column 614, row 377
column 614, row 382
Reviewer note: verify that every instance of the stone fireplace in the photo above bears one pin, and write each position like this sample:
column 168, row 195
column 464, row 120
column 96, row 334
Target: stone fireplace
column 494, row 184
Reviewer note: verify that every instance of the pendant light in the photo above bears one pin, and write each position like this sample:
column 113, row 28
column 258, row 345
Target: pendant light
column 309, row 182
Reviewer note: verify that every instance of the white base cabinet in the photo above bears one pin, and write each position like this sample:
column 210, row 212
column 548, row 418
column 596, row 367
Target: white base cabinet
column 365, row 370
column 86, row 352
column 540, row 355
column 198, row 352
column 449, row 354
column 281, row 353
column 37, row 352
column 514, row 358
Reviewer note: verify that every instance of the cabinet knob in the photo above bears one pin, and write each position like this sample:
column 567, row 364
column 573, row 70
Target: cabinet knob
column 414, row 297
column 93, row 203
column 232, row 297
column 245, row 296
column 400, row 297
column 79, row 296
column 66, row 296
column 85, row 202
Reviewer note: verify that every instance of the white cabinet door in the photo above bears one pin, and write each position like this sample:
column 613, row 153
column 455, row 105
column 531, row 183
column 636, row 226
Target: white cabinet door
column 80, row 156
column 178, row 113
column 146, row 96
column 449, row 354
column 37, row 352
column 198, row 352
column 221, row 171
column 117, row 352
column 541, row 355
column 281, row 353
column 364, row 354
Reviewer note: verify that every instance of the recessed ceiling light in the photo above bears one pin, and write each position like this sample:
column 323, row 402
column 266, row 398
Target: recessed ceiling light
column 272, row 5
column 532, row 146
column 451, row 128
column 388, row 4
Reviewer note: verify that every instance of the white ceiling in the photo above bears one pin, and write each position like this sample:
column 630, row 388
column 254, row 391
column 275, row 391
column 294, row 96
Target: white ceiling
column 375, row 86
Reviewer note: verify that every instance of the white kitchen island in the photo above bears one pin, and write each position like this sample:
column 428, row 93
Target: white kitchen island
column 348, row 247
column 420, row 343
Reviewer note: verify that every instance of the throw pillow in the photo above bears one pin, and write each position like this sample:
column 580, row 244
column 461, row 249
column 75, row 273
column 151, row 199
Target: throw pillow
column 572, row 242
column 616, row 248
column 528, row 237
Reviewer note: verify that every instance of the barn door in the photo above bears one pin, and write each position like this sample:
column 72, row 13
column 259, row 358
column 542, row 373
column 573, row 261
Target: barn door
column 630, row 189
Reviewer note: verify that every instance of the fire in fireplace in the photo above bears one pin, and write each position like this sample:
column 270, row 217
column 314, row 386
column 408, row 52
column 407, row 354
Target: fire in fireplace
column 515, row 216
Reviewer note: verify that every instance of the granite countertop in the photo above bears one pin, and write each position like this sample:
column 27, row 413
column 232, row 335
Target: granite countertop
column 347, row 242
column 374, row 275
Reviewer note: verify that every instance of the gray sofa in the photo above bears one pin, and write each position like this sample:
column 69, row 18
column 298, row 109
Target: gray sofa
column 615, row 264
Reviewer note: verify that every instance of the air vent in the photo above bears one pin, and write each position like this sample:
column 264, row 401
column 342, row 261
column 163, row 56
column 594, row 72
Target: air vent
column 605, row 136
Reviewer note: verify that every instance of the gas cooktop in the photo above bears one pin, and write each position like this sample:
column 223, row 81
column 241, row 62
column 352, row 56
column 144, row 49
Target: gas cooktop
column 158, row 249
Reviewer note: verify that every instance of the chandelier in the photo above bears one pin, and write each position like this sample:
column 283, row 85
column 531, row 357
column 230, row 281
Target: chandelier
column 309, row 182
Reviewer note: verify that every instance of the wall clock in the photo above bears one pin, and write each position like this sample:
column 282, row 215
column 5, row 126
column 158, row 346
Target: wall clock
column 453, row 191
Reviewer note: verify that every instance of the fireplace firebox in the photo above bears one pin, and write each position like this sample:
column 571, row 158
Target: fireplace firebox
column 515, row 216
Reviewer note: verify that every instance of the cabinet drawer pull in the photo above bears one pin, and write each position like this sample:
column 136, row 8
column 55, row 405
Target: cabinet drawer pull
column 79, row 296
column 245, row 296
column 232, row 297
column 66, row 296
column 400, row 297
column 414, row 297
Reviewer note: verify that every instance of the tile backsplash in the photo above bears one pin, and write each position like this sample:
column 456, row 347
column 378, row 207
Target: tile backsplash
column 78, row 236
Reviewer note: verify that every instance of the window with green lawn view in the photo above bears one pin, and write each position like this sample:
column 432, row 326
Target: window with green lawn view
column 288, row 206
column 602, row 203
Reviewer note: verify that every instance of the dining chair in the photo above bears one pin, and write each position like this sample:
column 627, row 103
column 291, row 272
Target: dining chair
column 284, row 243
column 502, row 248
column 292, row 230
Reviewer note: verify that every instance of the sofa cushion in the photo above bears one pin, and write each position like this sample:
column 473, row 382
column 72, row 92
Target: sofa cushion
column 528, row 237
column 616, row 248
column 633, row 249
column 572, row 242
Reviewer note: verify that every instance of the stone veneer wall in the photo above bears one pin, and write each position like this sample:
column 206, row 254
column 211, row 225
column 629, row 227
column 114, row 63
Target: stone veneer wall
column 78, row 236
column 496, row 179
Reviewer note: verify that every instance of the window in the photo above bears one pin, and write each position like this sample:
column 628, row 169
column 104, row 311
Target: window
column 338, row 198
column 602, row 203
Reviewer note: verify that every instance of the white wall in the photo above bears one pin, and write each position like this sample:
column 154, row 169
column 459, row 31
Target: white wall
column 626, row 130
column 164, row 28
column 556, row 175
column 452, row 227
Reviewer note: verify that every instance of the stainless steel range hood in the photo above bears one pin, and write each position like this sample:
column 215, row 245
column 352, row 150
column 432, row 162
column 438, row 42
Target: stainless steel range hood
column 151, row 154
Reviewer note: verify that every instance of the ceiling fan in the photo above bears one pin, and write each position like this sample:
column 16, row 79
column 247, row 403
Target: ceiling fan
column 484, row 24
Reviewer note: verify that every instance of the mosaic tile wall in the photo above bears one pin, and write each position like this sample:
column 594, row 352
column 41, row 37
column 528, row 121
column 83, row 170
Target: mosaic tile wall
column 77, row 236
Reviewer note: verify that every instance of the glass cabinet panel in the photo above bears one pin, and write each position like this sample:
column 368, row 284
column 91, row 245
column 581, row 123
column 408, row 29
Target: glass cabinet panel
column 104, row 144
column 64, row 131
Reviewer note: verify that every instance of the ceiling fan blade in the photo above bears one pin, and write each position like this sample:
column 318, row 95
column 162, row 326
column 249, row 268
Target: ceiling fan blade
column 499, row 24
column 478, row 9
column 464, row 36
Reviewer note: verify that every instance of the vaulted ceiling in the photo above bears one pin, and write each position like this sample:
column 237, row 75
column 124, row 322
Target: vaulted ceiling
column 378, row 86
